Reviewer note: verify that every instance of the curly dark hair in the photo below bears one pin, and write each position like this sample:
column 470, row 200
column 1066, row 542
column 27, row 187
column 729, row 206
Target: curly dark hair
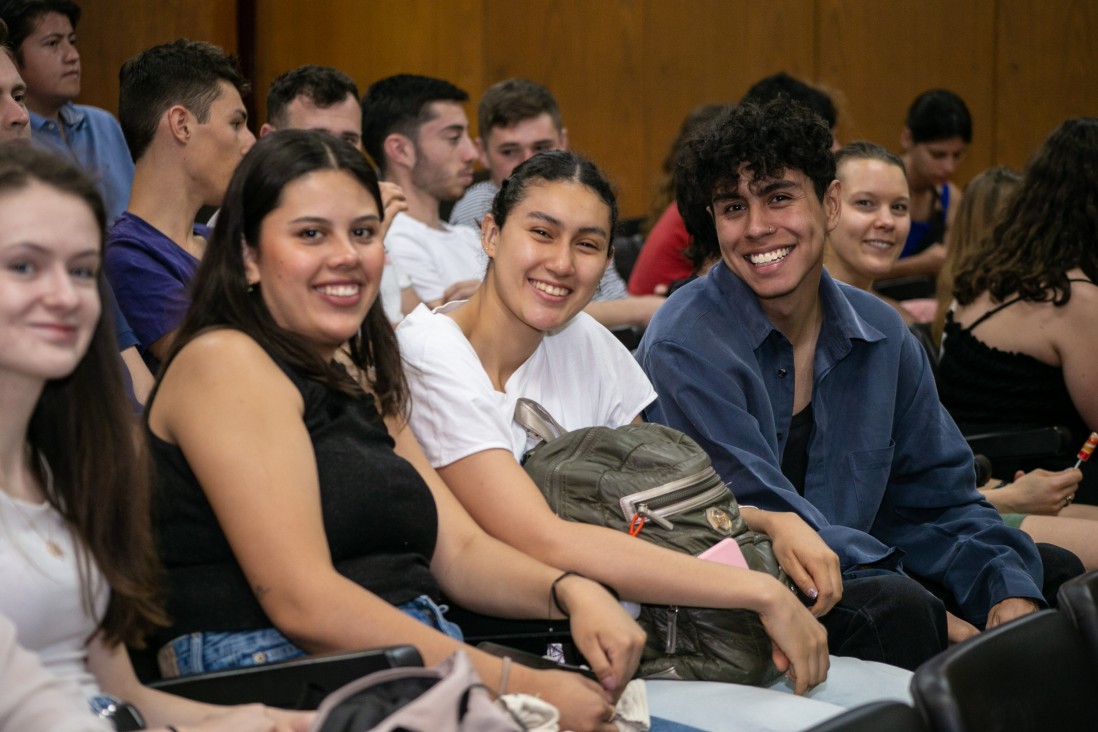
column 1050, row 225
column 781, row 135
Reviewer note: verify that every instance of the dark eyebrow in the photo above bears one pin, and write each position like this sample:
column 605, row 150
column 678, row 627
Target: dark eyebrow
column 541, row 216
column 322, row 220
column 452, row 128
column 726, row 196
column 775, row 185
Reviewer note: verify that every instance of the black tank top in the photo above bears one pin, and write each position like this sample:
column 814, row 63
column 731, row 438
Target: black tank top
column 379, row 517
column 979, row 384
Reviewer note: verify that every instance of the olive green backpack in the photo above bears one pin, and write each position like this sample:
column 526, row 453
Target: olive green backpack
column 659, row 483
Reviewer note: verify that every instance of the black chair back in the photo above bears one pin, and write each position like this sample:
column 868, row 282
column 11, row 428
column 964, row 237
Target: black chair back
column 298, row 684
column 1031, row 675
column 1079, row 601
column 876, row 717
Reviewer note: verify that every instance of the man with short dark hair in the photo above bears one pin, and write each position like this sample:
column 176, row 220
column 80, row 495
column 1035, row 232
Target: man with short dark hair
column 315, row 98
column 517, row 119
column 812, row 397
column 415, row 129
column 185, row 123
column 43, row 39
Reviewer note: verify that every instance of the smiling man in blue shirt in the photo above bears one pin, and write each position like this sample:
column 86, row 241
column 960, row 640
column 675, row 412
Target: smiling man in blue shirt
column 812, row 397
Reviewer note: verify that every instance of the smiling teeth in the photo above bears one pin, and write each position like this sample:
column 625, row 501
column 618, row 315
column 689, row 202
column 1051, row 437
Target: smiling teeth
column 339, row 290
column 769, row 257
column 551, row 289
column 879, row 244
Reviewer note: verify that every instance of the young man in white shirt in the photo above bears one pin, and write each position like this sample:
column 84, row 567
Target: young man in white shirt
column 415, row 129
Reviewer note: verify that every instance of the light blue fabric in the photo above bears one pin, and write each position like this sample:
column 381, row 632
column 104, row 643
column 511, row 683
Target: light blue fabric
column 93, row 140
column 890, row 480
column 197, row 653
column 736, row 708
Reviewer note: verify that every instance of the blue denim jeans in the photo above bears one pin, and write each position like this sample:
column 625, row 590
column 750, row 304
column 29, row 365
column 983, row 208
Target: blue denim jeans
column 197, row 653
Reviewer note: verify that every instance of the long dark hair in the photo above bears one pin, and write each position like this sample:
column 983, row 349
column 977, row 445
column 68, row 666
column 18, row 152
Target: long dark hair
column 83, row 429
column 221, row 294
column 1050, row 225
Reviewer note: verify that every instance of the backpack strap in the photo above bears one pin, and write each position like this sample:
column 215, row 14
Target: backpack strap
column 537, row 421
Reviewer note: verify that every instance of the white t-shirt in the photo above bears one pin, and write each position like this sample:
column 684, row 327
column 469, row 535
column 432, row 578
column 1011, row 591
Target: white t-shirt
column 392, row 282
column 44, row 597
column 434, row 259
column 581, row 374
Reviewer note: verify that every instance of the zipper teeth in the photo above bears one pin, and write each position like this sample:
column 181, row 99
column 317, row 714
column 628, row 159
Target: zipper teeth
column 677, row 496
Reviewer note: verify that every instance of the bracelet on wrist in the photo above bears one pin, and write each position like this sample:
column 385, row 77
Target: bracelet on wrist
column 553, row 593
column 504, row 675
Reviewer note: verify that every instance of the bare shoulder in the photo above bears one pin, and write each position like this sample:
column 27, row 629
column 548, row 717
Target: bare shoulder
column 223, row 356
column 1084, row 300
column 218, row 368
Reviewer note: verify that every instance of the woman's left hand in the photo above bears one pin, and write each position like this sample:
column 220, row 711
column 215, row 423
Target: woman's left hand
column 804, row 556
column 608, row 638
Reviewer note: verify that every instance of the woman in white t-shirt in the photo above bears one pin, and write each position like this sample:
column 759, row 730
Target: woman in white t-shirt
column 77, row 562
column 522, row 334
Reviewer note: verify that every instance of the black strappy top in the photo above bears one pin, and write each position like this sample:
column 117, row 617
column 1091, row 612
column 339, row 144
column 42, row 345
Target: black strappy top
column 979, row 384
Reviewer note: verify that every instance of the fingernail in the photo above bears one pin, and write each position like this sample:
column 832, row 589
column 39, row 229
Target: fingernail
column 609, row 682
column 812, row 593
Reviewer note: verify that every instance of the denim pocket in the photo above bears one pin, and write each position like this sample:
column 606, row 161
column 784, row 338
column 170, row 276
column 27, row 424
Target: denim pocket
column 197, row 653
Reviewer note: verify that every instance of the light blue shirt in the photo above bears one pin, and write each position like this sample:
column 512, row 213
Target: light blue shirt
column 93, row 140
column 889, row 477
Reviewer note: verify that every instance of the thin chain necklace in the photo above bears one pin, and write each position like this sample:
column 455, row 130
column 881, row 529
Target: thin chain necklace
column 51, row 546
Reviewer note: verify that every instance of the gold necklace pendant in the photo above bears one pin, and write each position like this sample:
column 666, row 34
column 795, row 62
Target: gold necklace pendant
column 52, row 547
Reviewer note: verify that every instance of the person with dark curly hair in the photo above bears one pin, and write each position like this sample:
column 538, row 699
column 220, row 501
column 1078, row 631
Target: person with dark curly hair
column 812, row 397
column 1019, row 346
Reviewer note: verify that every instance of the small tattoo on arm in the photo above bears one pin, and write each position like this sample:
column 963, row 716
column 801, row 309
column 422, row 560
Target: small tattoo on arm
column 260, row 591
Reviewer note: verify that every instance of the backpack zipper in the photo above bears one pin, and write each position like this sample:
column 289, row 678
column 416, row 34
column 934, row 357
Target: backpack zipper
column 672, row 498
column 672, row 630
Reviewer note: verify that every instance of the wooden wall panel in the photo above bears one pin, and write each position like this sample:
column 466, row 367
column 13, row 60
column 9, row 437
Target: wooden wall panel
column 112, row 31
column 711, row 51
column 1046, row 65
column 593, row 61
column 370, row 40
column 627, row 71
column 880, row 56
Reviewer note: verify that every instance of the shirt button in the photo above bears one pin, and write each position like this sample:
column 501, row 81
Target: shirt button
column 779, row 435
column 259, row 657
column 782, row 373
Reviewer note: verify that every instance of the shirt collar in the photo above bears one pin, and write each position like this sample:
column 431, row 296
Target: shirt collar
column 841, row 320
column 69, row 114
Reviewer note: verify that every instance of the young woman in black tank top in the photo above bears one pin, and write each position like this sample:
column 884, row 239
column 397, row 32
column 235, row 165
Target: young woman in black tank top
column 1020, row 345
column 254, row 398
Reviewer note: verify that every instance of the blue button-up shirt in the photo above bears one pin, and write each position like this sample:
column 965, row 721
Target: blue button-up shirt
column 890, row 480
column 93, row 140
